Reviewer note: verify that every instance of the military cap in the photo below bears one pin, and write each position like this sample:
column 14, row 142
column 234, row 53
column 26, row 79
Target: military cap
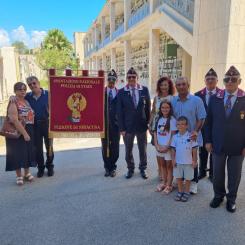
column 212, row 73
column 232, row 72
column 132, row 71
column 112, row 75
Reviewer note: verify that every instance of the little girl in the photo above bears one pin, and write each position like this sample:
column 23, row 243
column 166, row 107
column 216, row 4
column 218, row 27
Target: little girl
column 164, row 130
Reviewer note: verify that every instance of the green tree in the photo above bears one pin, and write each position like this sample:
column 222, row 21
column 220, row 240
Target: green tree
column 20, row 47
column 56, row 51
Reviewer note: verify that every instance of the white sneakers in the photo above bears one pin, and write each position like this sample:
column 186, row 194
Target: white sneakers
column 193, row 188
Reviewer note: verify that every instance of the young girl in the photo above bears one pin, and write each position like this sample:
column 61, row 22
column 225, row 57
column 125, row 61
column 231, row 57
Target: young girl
column 164, row 130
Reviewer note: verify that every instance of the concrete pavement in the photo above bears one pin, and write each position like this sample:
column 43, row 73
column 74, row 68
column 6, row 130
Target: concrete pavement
column 79, row 206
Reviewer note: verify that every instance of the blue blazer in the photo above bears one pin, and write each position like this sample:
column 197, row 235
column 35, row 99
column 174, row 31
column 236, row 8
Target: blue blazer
column 227, row 135
column 131, row 119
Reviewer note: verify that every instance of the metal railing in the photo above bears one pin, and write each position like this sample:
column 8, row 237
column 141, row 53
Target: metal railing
column 140, row 14
column 118, row 32
column 184, row 7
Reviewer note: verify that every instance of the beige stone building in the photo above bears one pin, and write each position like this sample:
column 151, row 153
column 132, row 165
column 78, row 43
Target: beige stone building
column 168, row 37
column 78, row 46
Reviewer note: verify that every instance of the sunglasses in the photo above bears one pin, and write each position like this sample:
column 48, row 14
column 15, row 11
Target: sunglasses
column 111, row 79
column 131, row 77
column 31, row 84
column 232, row 79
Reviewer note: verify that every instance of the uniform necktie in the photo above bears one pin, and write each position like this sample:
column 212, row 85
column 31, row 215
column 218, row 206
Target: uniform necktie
column 209, row 96
column 110, row 96
column 228, row 106
column 134, row 97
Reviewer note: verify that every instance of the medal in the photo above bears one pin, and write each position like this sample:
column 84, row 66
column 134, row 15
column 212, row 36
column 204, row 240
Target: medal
column 242, row 114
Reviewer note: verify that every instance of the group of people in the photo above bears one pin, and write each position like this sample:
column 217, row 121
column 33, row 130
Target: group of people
column 30, row 115
column 210, row 124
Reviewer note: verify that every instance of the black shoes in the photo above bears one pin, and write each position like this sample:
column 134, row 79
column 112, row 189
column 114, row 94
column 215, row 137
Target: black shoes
column 129, row 174
column 107, row 173
column 50, row 172
column 215, row 203
column 231, row 207
column 143, row 174
column 40, row 173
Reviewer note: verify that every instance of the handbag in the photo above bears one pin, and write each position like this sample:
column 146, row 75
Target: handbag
column 8, row 129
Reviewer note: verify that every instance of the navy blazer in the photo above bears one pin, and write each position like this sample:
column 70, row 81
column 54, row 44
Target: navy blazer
column 227, row 135
column 131, row 119
column 110, row 112
column 202, row 95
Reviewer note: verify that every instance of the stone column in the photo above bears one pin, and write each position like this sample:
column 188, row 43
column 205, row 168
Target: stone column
column 186, row 65
column 127, row 56
column 218, row 40
column 103, row 23
column 104, row 61
column 127, row 13
column 154, row 43
column 152, row 4
column 112, row 18
column 113, row 58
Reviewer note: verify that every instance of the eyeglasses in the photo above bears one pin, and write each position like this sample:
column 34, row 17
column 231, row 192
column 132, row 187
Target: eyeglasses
column 131, row 77
column 232, row 79
column 31, row 84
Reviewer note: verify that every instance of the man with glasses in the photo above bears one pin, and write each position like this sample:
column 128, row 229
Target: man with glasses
column 193, row 109
column 110, row 142
column 38, row 99
column 225, row 138
column 133, row 116
column 211, row 80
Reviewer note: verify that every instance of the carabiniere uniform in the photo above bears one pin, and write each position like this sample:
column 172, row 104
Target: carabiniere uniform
column 110, row 143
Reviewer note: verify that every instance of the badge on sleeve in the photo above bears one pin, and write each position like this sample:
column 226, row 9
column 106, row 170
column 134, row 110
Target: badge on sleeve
column 242, row 114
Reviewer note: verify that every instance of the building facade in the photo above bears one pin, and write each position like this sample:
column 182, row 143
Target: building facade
column 167, row 38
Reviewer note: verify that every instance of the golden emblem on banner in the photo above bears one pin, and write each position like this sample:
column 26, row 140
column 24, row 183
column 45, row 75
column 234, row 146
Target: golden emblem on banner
column 76, row 103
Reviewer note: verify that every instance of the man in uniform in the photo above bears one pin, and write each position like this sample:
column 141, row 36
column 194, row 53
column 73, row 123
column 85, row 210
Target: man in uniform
column 133, row 116
column 110, row 143
column 225, row 138
column 38, row 99
column 211, row 80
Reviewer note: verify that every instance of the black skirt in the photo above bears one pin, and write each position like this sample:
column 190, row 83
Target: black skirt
column 20, row 153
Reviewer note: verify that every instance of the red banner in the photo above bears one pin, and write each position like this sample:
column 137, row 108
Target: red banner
column 76, row 106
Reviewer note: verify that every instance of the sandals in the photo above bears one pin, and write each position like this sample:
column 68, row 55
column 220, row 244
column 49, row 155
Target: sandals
column 168, row 189
column 178, row 196
column 19, row 180
column 29, row 177
column 160, row 187
column 185, row 197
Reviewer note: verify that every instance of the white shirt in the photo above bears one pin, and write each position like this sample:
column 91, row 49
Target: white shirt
column 183, row 147
column 114, row 92
column 208, row 96
column 136, row 93
column 163, row 136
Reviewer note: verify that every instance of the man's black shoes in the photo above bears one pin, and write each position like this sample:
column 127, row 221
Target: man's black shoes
column 143, row 174
column 113, row 173
column 231, row 207
column 107, row 173
column 215, row 203
column 129, row 174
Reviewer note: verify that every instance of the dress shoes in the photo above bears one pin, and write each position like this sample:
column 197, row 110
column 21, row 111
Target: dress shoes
column 50, row 172
column 215, row 203
column 143, row 174
column 107, row 173
column 40, row 173
column 129, row 174
column 231, row 207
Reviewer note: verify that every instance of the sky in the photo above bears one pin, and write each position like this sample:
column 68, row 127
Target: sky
column 29, row 20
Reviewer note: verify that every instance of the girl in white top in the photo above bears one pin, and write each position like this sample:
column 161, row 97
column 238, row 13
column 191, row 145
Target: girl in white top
column 164, row 130
column 165, row 91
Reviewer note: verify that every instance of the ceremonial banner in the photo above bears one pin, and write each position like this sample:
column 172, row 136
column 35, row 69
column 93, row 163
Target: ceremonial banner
column 76, row 106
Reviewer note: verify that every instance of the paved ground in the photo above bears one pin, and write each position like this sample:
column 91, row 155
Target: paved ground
column 79, row 206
